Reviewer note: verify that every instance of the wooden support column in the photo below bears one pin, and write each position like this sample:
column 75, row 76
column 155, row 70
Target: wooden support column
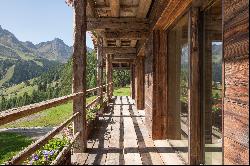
column 132, row 81
column 100, row 69
column 109, row 76
column 79, row 74
column 139, row 82
column 195, row 109
column 160, row 123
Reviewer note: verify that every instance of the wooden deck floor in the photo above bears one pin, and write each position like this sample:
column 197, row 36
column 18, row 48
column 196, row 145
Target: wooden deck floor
column 121, row 138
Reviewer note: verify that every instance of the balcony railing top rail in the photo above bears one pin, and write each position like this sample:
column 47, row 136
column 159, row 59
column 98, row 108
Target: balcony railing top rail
column 17, row 113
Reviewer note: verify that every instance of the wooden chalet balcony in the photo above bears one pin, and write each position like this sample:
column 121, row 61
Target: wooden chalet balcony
column 150, row 38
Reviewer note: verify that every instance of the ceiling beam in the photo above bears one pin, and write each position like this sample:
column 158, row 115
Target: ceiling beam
column 115, row 8
column 122, row 6
column 122, row 24
column 124, row 56
column 135, row 35
column 91, row 7
column 118, row 42
column 143, row 8
column 119, row 50
column 123, row 60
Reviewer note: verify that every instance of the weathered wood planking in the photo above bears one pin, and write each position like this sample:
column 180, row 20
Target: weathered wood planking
column 144, row 139
column 236, row 83
column 112, row 158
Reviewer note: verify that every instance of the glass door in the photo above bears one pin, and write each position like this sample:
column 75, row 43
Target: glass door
column 178, row 85
column 212, row 82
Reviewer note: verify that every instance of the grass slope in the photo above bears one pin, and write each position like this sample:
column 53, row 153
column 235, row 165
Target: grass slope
column 8, row 75
column 125, row 91
column 11, row 144
column 48, row 118
column 57, row 115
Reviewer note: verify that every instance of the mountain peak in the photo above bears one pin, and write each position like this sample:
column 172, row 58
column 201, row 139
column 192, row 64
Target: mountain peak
column 57, row 40
column 1, row 27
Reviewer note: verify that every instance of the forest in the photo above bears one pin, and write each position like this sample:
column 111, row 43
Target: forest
column 58, row 82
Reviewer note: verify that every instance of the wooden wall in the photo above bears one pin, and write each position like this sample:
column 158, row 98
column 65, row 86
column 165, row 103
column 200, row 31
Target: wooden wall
column 236, row 91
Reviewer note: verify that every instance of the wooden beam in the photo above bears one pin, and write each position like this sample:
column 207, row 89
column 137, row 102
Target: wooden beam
column 123, row 61
column 195, row 127
column 118, row 43
column 122, row 6
column 128, row 24
column 132, row 81
column 174, row 9
column 109, row 75
column 133, row 43
column 139, row 81
column 135, row 35
column 91, row 8
column 124, row 56
column 119, row 50
column 160, row 112
column 100, row 69
column 143, row 8
column 115, row 8
column 79, row 74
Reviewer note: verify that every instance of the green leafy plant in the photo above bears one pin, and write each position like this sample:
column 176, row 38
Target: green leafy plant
column 216, row 109
column 48, row 153
column 91, row 113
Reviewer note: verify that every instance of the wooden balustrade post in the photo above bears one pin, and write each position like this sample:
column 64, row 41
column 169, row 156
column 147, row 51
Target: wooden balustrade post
column 79, row 74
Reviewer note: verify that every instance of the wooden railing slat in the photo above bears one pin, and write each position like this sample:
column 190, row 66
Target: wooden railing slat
column 23, row 155
column 17, row 113
column 93, row 102
column 64, row 151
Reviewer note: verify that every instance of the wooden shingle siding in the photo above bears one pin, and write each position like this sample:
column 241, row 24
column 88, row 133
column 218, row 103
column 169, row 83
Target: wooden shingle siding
column 236, row 83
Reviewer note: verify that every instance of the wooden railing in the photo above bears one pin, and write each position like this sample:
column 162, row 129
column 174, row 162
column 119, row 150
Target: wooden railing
column 17, row 113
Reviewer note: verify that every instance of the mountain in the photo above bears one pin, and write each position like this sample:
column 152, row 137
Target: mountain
column 55, row 50
column 22, row 61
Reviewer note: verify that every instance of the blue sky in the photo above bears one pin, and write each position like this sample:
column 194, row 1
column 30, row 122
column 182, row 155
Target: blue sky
column 38, row 20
